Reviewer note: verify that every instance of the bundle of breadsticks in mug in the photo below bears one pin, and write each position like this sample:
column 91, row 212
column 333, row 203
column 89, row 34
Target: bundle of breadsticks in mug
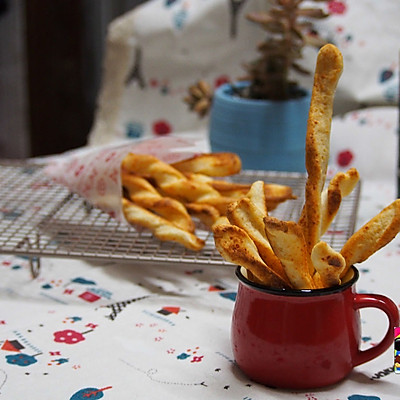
column 289, row 254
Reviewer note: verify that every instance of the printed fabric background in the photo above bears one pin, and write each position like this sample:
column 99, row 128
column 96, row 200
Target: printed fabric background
column 154, row 53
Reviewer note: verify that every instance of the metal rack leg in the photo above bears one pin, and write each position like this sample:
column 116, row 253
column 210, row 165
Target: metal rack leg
column 34, row 263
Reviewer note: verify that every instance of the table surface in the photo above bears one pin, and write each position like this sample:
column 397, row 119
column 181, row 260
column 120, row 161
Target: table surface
column 122, row 330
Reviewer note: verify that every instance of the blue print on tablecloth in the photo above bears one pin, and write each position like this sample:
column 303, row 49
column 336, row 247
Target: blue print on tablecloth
column 362, row 397
column 89, row 393
column 134, row 130
column 179, row 19
column 391, row 93
column 183, row 356
column 83, row 281
column 169, row 3
column 229, row 295
column 385, row 75
column 21, row 359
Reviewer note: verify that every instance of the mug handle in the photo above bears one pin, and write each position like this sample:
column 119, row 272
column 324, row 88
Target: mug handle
column 392, row 312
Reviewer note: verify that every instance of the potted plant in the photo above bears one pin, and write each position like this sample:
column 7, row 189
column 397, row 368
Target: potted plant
column 263, row 116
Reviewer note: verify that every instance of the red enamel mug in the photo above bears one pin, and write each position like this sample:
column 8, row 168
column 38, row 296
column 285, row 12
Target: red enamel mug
column 303, row 339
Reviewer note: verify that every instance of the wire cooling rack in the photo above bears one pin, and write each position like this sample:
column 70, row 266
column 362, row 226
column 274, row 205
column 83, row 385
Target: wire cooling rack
column 40, row 218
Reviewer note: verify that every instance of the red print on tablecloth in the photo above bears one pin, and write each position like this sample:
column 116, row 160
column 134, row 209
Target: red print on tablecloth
column 222, row 79
column 344, row 158
column 169, row 310
column 69, row 336
column 12, row 345
column 89, row 297
column 337, row 7
column 161, row 127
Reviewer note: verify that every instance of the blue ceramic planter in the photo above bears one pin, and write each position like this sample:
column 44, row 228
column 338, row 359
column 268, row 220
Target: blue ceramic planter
column 267, row 135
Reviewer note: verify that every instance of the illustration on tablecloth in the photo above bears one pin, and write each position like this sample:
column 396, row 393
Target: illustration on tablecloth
column 69, row 336
column 169, row 310
column 192, row 354
column 117, row 307
column 222, row 292
column 15, row 346
column 81, row 288
column 22, row 359
column 89, row 393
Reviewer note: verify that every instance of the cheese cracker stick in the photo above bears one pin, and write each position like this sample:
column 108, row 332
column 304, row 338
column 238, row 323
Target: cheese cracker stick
column 161, row 228
column 206, row 213
column 327, row 73
column 235, row 245
column 256, row 195
column 341, row 185
column 376, row 233
column 214, row 164
column 328, row 263
column 247, row 216
column 287, row 241
column 143, row 194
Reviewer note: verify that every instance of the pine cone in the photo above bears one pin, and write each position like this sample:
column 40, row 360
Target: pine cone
column 199, row 98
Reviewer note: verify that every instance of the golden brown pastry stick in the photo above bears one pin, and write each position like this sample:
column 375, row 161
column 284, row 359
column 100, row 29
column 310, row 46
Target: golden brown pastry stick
column 247, row 216
column 287, row 241
column 235, row 246
column 341, row 185
column 171, row 182
column 204, row 212
column 274, row 193
column 214, row 164
column 256, row 195
column 375, row 234
column 327, row 73
column 328, row 263
column 161, row 228
column 143, row 194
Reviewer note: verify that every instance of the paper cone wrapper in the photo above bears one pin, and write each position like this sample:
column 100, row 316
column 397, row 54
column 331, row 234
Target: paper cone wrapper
column 95, row 173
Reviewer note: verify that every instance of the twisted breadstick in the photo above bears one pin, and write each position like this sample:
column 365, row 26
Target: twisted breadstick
column 142, row 193
column 327, row 73
column 173, row 183
column 215, row 164
column 161, row 228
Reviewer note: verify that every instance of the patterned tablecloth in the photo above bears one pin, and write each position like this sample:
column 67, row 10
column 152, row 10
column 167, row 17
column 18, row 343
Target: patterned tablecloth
column 91, row 330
